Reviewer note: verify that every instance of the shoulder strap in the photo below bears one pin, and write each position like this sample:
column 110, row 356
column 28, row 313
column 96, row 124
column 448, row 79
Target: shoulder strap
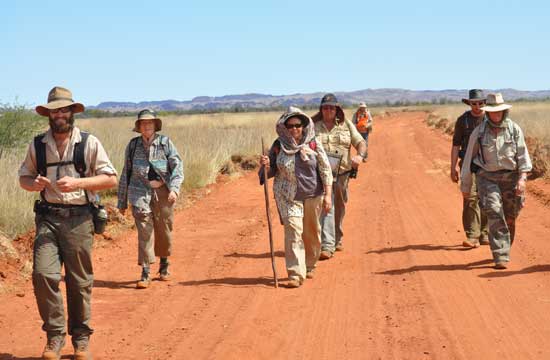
column 40, row 150
column 130, row 161
column 78, row 154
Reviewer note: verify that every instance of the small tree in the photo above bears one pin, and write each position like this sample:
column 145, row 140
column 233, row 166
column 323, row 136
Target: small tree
column 17, row 126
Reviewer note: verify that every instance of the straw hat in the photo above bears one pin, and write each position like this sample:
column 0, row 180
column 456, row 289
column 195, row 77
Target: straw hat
column 495, row 103
column 59, row 97
column 148, row 114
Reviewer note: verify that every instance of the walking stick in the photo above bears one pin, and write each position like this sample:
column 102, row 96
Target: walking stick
column 266, row 194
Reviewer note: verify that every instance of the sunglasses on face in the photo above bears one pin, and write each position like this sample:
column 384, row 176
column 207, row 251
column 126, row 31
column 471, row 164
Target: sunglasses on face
column 293, row 126
column 63, row 110
column 328, row 107
column 477, row 103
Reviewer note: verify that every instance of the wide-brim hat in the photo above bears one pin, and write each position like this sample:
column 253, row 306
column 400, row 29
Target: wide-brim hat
column 148, row 114
column 329, row 99
column 494, row 103
column 474, row 95
column 362, row 105
column 59, row 97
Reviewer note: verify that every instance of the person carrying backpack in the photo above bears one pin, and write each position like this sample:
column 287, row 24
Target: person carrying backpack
column 362, row 119
column 151, row 181
column 337, row 135
column 302, row 189
column 67, row 166
column 498, row 156
column 474, row 220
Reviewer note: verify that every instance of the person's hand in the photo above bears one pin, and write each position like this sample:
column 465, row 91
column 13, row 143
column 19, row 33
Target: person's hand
column 40, row 183
column 356, row 160
column 465, row 195
column 172, row 197
column 122, row 211
column 68, row 184
column 454, row 175
column 327, row 203
column 264, row 160
column 520, row 187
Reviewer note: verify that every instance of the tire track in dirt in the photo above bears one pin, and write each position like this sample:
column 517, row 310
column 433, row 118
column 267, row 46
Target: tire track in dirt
column 403, row 288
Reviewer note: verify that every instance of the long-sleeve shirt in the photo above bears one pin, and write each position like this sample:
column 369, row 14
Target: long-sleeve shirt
column 163, row 157
column 502, row 148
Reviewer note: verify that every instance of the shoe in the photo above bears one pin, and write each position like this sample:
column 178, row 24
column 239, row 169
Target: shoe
column 145, row 280
column 325, row 255
column 310, row 274
column 340, row 247
column 81, row 351
column 501, row 265
column 294, row 283
column 52, row 350
column 163, row 271
column 483, row 240
column 471, row 243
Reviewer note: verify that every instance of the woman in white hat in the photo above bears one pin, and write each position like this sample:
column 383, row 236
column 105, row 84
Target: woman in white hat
column 498, row 155
column 362, row 119
column 151, row 181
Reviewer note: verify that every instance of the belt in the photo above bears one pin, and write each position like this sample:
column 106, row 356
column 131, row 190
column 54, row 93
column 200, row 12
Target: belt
column 62, row 210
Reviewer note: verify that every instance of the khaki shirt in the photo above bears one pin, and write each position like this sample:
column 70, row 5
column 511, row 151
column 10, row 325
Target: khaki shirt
column 504, row 149
column 97, row 162
column 339, row 140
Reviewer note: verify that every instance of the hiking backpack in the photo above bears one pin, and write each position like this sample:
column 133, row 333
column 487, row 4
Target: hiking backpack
column 78, row 155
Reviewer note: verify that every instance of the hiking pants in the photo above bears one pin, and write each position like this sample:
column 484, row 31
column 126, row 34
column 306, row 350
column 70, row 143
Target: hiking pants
column 63, row 241
column 303, row 240
column 158, row 222
column 497, row 192
column 474, row 220
column 332, row 222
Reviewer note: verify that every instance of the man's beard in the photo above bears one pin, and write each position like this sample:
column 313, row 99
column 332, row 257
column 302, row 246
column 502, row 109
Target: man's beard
column 64, row 128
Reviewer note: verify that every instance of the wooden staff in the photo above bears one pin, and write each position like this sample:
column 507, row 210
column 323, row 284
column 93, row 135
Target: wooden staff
column 266, row 194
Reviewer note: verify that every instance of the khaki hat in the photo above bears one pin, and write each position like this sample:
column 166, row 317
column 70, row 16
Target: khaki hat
column 148, row 114
column 495, row 103
column 362, row 105
column 59, row 97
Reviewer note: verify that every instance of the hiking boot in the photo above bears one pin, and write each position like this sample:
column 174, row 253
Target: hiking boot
column 145, row 280
column 310, row 274
column 483, row 240
column 501, row 265
column 325, row 255
column 81, row 351
column 52, row 350
column 164, row 274
column 340, row 247
column 470, row 243
column 294, row 283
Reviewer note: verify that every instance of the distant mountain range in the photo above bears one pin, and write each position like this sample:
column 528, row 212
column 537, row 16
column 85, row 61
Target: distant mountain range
column 262, row 101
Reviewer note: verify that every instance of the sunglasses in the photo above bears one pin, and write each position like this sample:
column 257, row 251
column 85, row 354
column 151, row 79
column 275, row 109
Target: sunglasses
column 295, row 126
column 328, row 107
column 477, row 103
column 63, row 110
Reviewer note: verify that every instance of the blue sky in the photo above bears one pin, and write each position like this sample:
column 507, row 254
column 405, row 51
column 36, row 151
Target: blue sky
column 157, row 50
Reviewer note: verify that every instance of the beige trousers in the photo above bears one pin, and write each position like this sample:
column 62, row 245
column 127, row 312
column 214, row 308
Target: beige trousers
column 158, row 221
column 303, row 240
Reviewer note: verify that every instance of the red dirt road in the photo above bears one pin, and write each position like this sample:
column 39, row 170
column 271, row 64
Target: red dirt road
column 403, row 288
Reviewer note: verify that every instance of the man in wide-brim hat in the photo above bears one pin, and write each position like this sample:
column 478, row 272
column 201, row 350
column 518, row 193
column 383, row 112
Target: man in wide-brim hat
column 64, row 220
column 498, row 155
column 474, row 221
